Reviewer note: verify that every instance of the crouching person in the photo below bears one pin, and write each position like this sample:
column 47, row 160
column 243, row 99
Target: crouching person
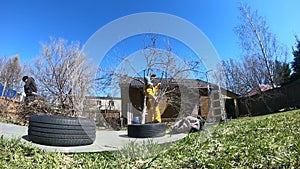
column 30, row 89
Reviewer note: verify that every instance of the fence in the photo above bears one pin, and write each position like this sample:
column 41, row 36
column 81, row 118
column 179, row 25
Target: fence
column 276, row 99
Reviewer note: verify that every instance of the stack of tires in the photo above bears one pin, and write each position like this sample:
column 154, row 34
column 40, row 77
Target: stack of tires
column 61, row 131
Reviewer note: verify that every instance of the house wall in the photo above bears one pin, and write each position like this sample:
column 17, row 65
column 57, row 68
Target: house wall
column 230, row 103
column 204, row 106
column 130, row 105
column 189, row 101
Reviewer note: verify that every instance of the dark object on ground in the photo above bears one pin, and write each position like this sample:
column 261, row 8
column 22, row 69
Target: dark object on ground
column 146, row 130
column 188, row 124
column 61, row 131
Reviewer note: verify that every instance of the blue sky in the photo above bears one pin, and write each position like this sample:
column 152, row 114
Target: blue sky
column 25, row 24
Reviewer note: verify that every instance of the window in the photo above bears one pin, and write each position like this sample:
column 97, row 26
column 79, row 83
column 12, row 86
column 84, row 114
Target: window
column 111, row 103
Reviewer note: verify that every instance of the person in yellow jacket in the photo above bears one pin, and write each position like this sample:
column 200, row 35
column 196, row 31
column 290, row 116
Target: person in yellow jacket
column 151, row 100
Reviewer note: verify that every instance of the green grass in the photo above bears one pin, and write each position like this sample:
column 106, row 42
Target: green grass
column 14, row 154
column 270, row 141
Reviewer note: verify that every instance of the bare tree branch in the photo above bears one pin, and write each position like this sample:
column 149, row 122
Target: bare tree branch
column 155, row 60
column 64, row 75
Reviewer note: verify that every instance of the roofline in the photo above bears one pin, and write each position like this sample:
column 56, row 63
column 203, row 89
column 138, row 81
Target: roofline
column 103, row 97
column 196, row 80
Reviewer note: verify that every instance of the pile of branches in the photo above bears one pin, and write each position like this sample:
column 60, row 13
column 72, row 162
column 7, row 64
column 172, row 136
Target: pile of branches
column 41, row 106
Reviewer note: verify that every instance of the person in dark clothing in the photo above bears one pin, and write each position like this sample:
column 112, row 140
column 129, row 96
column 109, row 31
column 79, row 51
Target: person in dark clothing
column 30, row 89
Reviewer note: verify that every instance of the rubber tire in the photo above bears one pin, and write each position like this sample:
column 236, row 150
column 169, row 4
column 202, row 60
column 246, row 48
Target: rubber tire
column 61, row 131
column 146, row 130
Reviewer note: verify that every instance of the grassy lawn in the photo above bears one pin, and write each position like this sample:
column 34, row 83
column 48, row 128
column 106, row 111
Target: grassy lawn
column 271, row 141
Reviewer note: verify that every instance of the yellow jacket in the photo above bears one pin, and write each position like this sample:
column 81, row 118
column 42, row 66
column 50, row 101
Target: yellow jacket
column 150, row 89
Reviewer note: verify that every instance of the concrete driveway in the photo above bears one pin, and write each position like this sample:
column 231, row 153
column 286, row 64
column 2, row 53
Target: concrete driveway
column 105, row 140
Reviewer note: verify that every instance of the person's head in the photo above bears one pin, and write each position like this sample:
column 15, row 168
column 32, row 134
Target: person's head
column 25, row 78
column 152, row 77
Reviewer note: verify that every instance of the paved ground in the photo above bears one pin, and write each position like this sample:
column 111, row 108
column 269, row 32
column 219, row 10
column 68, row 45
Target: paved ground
column 105, row 140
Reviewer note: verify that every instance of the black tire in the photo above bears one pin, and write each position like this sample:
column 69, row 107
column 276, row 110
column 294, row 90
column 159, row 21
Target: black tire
column 61, row 136
column 146, row 130
column 61, row 120
column 60, row 126
column 74, row 131
column 60, row 142
column 61, row 131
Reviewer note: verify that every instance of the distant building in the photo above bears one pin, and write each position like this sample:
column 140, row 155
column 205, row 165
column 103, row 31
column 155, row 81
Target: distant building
column 193, row 98
column 103, row 104
column 261, row 88
column 98, row 108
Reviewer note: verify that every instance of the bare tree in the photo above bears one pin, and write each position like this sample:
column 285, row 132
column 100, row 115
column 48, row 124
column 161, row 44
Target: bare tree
column 259, row 43
column 11, row 72
column 158, row 57
column 243, row 77
column 63, row 75
column 257, row 66
column 2, row 62
column 10, row 78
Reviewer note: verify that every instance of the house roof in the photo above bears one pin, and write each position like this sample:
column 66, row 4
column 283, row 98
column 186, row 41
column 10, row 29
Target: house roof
column 139, row 82
column 103, row 97
column 262, row 88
